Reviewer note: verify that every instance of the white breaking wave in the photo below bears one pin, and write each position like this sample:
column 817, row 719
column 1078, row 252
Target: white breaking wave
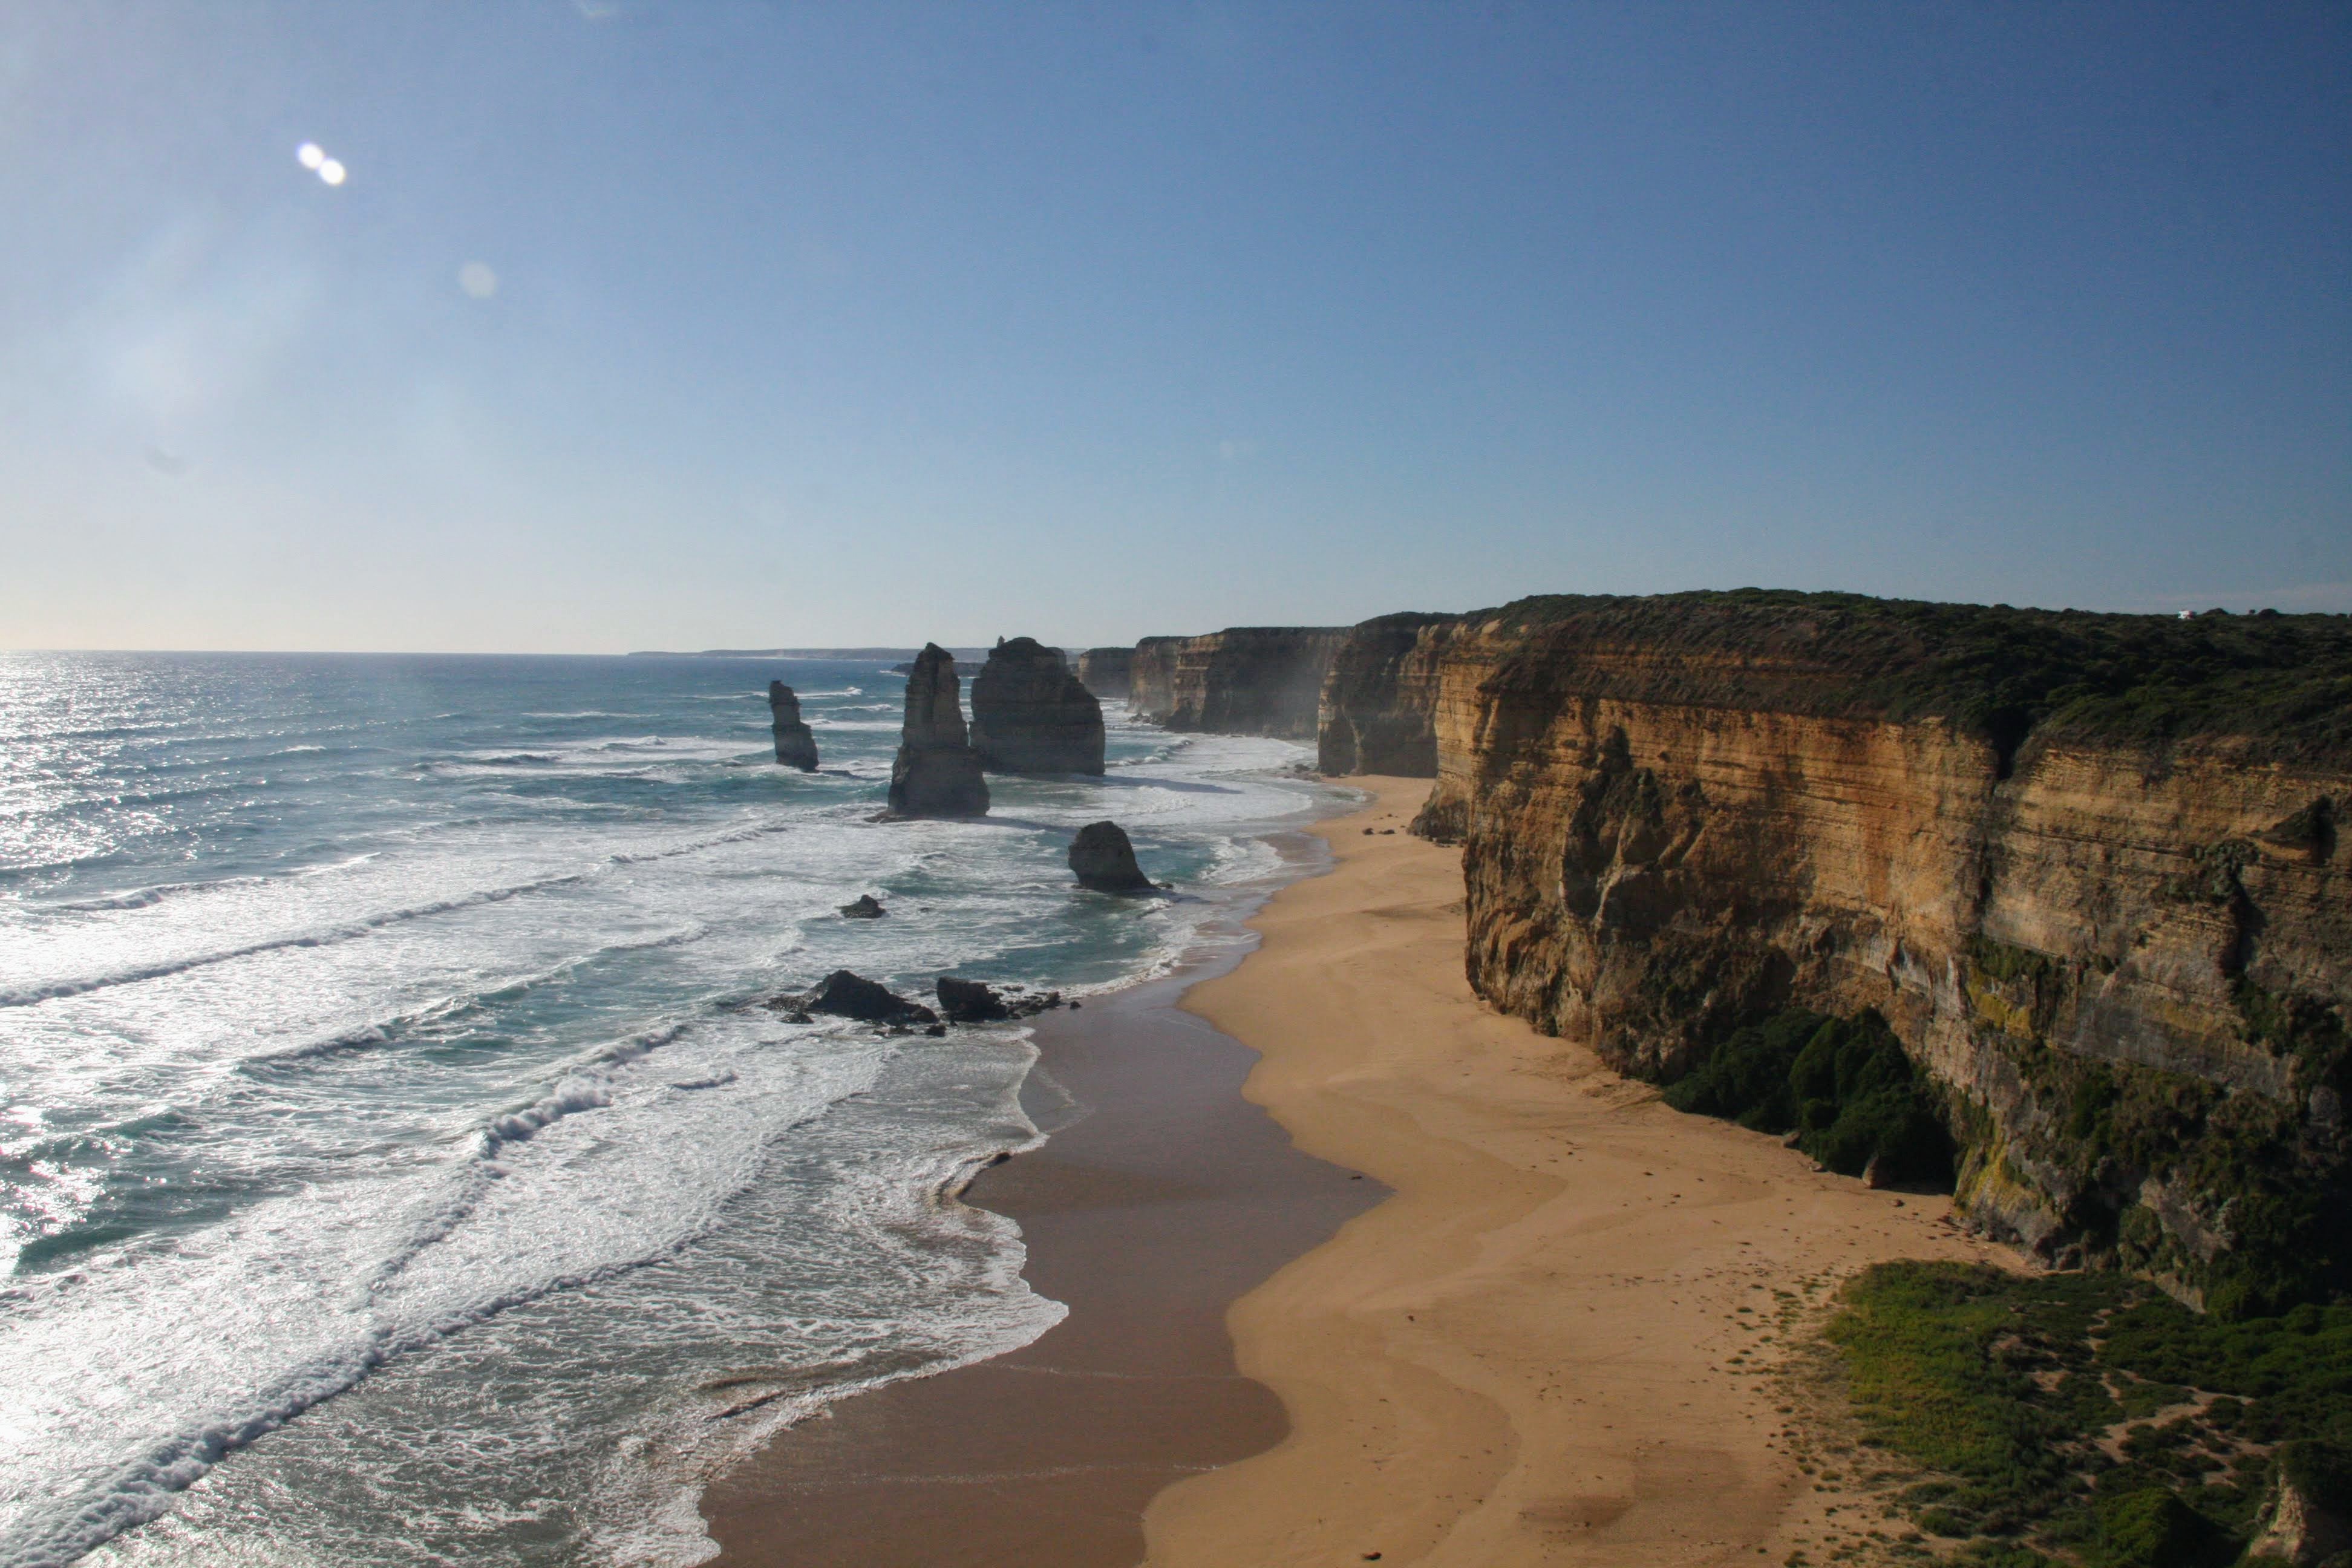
column 401, row 1153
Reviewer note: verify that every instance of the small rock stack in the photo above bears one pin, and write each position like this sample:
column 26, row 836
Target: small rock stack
column 795, row 747
column 1105, row 862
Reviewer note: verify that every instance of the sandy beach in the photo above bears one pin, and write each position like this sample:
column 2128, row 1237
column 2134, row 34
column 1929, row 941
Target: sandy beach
column 1549, row 1343
column 1526, row 1354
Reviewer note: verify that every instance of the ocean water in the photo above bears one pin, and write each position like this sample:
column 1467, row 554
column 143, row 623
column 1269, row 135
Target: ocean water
column 394, row 1167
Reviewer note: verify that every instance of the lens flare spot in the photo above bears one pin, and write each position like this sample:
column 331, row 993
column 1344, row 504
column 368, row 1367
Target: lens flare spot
column 477, row 279
column 310, row 155
column 331, row 172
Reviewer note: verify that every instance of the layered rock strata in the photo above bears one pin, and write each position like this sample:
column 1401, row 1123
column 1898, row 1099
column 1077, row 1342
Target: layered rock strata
column 795, row 747
column 1030, row 714
column 1104, row 672
column 937, row 773
column 2089, row 868
column 1245, row 680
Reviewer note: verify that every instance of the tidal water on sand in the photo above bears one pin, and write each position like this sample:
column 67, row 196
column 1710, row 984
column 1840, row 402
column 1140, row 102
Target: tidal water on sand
column 393, row 1165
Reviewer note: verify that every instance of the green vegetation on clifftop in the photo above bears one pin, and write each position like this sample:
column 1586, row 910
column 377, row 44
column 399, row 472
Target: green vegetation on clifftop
column 2282, row 681
column 2087, row 1416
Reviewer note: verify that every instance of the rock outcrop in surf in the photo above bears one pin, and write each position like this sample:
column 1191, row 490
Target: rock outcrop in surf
column 937, row 773
column 846, row 994
column 795, row 747
column 1104, row 861
column 1031, row 715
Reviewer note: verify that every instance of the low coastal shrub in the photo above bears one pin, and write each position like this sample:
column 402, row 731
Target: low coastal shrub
column 2088, row 1417
column 1844, row 1085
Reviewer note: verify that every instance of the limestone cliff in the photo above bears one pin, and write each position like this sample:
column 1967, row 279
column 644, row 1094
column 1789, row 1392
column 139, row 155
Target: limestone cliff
column 1377, row 713
column 1151, row 679
column 1031, row 715
column 2088, row 866
column 1245, row 680
column 1104, row 672
column 936, row 772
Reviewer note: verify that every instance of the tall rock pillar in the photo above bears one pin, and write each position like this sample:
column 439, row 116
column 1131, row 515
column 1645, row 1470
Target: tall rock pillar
column 937, row 773
column 795, row 747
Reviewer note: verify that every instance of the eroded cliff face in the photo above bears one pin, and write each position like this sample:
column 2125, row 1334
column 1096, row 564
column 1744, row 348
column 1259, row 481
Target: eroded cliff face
column 1246, row 680
column 1377, row 713
column 2126, row 961
column 1104, row 672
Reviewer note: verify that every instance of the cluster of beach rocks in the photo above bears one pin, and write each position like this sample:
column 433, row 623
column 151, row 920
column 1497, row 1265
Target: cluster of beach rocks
column 843, row 994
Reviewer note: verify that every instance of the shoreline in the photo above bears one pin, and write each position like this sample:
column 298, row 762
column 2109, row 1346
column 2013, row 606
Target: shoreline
column 1358, row 1269
column 1157, row 1198
column 1555, row 1342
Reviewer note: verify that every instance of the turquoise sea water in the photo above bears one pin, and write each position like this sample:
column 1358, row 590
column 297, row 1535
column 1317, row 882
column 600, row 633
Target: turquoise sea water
column 391, row 1168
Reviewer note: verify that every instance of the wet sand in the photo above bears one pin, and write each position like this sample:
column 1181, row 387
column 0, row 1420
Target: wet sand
column 1160, row 1197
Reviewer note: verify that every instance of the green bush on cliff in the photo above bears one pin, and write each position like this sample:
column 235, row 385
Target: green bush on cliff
column 2087, row 1414
column 2155, row 1528
column 1843, row 1085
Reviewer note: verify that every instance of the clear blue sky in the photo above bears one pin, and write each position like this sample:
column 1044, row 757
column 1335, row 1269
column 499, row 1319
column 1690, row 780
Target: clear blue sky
column 821, row 324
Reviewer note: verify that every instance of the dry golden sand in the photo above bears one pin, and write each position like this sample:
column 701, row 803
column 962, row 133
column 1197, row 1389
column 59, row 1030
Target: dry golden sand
column 1528, row 1353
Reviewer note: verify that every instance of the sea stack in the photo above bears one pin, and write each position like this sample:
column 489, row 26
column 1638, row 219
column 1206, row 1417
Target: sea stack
column 937, row 773
column 1031, row 715
column 795, row 747
column 1104, row 860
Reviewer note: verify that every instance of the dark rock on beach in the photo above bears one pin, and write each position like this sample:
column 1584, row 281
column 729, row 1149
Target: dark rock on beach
column 795, row 747
column 970, row 1002
column 843, row 995
column 1104, row 860
column 866, row 907
column 937, row 773
column 1031, row 715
